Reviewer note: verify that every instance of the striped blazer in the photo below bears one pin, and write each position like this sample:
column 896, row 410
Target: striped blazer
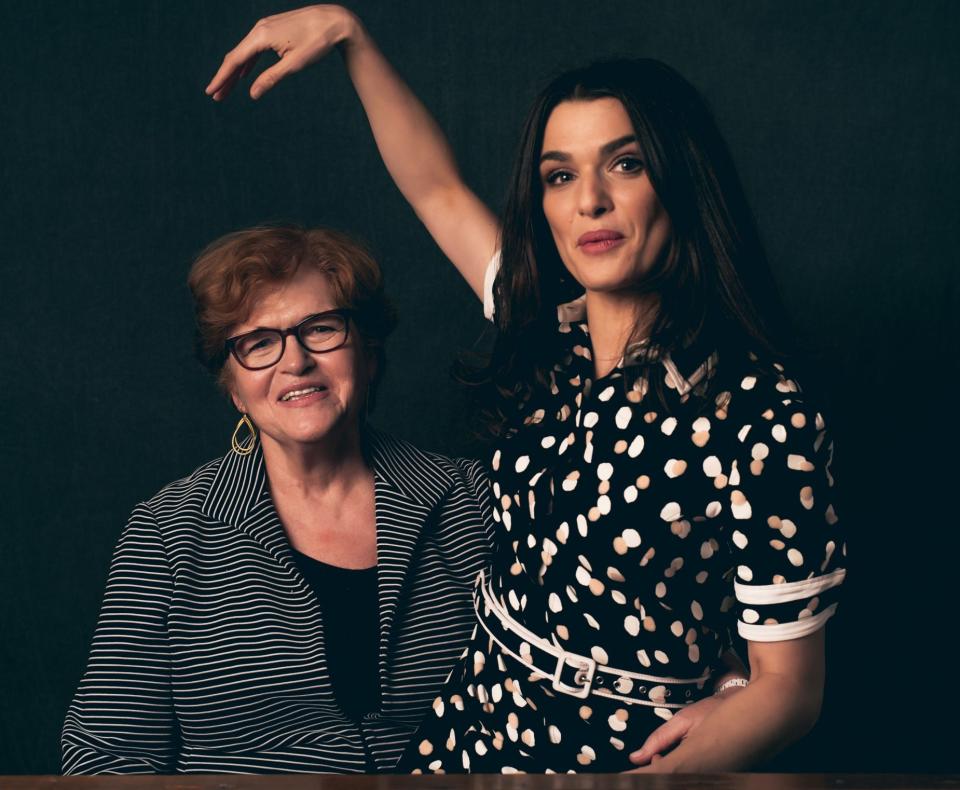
column 208, row 656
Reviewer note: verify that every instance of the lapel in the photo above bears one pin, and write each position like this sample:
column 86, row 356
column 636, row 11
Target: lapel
column 239, row 496
column 409, row 486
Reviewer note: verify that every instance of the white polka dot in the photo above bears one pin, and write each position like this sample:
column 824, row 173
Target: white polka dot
column 591, row 419
column 787, row 528
column 583, row 576
column 631, row 537
column 554, row 733
column 674, row 468
column 750, row 615
column 643, row 658
column 712, row 466
column 744, row 572
column 740, row 505
column 713, row 509
column 668, row 426
column 624, row 413
column 701, row 425
column 582, row 525
column 748, row 382
column 495, row 462
column 598, row 654
column 632, row 624
column 554, row 603
column 603, row 504
column 696, row 610
column 616, row 724
column 779, row 433
column 636, row 447
column 742, row 434
column 630, row 494
column 606, row 394
column 759, row 451
column 739, row 539
column 547, row 442
column 522, row 463
column 661, row 657
column 605, row 470
column 795, row 557
column 671, row 511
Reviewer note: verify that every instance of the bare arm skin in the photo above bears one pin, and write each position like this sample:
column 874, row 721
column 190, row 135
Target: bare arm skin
column 413, row 147
column 669, row 734
column 781, row 704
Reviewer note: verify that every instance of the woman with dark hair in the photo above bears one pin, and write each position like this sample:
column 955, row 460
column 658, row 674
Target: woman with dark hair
column 657, row 475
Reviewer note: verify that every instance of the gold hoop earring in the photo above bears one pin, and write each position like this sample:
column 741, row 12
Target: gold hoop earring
column 244, row 446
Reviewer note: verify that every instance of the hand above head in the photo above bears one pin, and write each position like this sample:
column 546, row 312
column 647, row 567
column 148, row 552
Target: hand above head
column 299, row 38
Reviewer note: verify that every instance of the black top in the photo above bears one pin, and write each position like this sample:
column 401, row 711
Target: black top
column 351, row 624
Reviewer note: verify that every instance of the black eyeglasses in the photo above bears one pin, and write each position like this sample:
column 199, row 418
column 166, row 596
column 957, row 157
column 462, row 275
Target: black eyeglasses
column 262, row 348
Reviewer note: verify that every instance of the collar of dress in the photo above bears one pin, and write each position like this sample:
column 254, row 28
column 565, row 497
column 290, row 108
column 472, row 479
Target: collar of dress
column 574, row 312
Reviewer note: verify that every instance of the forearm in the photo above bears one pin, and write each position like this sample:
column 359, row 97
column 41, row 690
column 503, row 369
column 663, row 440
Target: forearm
column 413, row 147
column 748, row 727
column 418, row 157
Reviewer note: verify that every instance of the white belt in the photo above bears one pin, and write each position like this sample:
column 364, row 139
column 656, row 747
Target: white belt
column 589, row 677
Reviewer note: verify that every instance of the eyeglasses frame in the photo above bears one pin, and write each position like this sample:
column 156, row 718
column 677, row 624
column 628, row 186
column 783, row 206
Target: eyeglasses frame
column 346, row 313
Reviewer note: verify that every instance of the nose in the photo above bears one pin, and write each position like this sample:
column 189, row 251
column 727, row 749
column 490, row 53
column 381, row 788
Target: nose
column 296, row 359
column 593, row 199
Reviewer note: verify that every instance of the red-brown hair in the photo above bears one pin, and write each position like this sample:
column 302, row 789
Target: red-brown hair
column 236, row 270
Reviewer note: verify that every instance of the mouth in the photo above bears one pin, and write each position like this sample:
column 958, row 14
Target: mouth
column 301, row 393
column 597, row 241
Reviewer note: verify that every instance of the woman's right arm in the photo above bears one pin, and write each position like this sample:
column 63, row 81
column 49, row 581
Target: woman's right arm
column 414, row 149
column 121, row 720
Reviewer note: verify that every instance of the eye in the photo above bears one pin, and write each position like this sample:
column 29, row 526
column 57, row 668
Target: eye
column 628, row 164
column 557, row 177
column 256, row 344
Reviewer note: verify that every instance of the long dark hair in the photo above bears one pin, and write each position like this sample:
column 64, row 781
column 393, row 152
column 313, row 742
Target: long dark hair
column 713, row 282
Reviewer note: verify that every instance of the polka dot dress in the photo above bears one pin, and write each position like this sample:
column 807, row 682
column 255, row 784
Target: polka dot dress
column 638, row 536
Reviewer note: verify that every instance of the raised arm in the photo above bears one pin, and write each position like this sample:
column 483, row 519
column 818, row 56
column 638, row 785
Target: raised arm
column 413, row 147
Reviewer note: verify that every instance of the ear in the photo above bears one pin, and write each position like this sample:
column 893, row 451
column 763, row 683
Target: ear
column 238, row 404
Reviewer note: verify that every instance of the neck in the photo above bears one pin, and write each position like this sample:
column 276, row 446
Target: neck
column 613, row 318
column 314, row 469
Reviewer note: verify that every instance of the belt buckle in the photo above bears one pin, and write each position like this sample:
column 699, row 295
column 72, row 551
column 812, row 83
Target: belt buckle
column 586, row 668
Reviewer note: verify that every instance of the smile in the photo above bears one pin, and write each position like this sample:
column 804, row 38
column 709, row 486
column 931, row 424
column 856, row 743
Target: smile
column 298, row 394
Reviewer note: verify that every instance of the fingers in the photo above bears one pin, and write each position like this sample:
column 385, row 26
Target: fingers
column 662, row 739
column 272, row 76
column 237, row 62
column 223, row 90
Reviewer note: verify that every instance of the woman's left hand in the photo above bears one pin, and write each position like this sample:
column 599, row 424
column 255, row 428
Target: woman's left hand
column 299, row 38
column 669, row 734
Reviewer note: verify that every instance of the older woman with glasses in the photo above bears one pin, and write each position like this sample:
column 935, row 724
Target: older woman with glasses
column 295, row 605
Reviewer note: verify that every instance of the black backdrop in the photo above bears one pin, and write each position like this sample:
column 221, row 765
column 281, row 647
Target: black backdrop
column 116, row 170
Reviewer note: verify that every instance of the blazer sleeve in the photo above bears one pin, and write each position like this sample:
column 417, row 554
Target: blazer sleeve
column 121, row 719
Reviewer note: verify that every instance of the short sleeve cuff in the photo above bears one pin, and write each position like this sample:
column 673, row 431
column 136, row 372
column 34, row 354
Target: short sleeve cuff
column 778, row 612
column 489, row 276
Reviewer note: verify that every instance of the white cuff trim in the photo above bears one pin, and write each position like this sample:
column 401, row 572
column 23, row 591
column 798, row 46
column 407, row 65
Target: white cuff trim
column 488, row 277
column 792, row 591
column 784, row 631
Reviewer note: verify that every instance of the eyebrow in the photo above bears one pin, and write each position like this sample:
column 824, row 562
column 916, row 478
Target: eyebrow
column 605, row 150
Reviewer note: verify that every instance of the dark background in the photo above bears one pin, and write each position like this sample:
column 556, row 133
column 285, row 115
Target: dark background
column 116, row 170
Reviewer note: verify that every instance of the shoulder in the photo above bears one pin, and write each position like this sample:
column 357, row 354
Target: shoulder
column 409, row 461
column 184, row 494
column 763, row 400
